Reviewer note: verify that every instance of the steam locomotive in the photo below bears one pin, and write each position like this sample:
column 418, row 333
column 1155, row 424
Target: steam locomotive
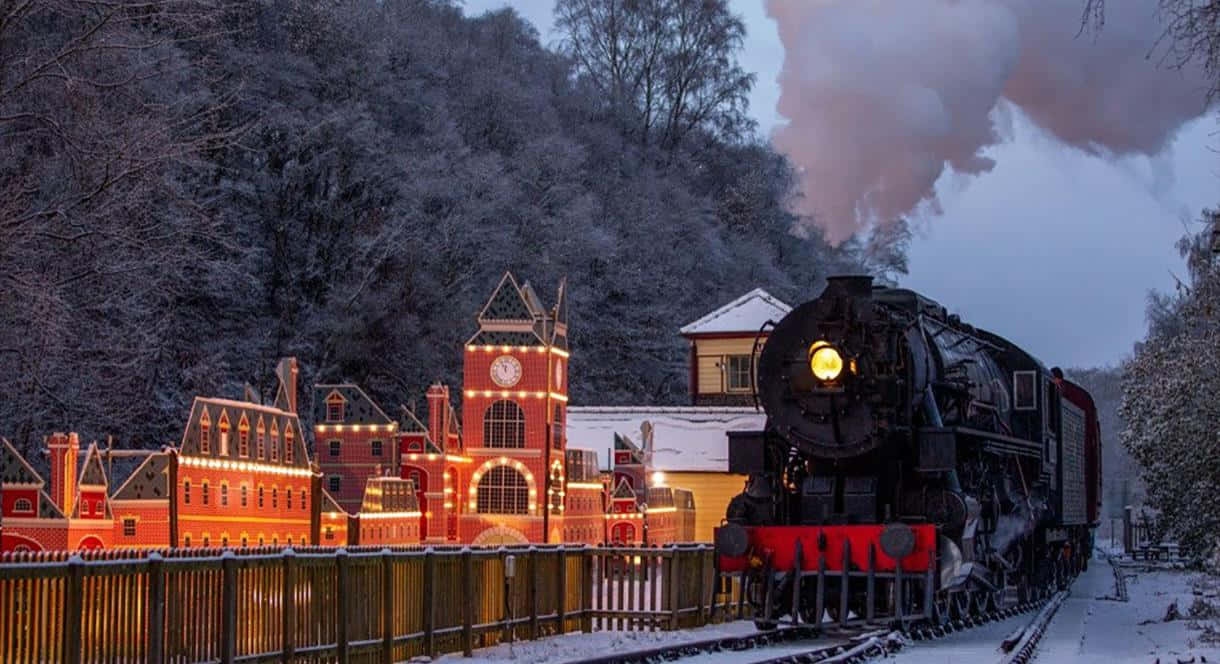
column 912, row 467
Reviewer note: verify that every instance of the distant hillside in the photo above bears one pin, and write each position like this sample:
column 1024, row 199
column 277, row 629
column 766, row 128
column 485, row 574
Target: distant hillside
column 345, row 182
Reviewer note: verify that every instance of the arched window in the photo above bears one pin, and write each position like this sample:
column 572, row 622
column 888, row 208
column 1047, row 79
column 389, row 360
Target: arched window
column 245, row 495
column 224, row 494
column 243, row 437
column 504, row 425
column 288, row 498
column 557, row 431
column 503, row 490
column 288, row 442
column 261, row 451
column 205, row 427
column 23, row 505
column 203, row 491
column 556, row 491
column 186, row 492
column 304, row 498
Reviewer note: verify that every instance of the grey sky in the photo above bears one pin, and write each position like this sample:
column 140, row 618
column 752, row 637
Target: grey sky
column 1054, row 248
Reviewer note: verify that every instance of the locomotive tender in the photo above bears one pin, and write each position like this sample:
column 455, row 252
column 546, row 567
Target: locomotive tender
column 917, row 466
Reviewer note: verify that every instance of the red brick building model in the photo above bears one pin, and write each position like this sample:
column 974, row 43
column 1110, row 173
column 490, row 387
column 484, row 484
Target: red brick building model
column 32, row 518
column 241, row 476
column 354, row 440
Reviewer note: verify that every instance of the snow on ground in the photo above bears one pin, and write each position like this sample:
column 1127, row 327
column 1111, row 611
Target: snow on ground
column 979, row 644
column 576, row 647
column 1096, row 631
column 1086, row 629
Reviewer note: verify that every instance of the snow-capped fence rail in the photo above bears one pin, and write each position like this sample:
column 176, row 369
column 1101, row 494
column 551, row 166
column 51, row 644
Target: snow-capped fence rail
column 355, row 605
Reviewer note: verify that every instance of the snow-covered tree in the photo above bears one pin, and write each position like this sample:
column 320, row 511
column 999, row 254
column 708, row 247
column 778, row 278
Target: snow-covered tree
column 1170, row 407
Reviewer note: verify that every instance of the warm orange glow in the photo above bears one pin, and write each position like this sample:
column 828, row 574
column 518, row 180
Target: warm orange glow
column 825, row 362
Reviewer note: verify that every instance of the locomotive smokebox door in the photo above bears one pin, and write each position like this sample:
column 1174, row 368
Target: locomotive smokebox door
column 937, row 450
column 748, row 452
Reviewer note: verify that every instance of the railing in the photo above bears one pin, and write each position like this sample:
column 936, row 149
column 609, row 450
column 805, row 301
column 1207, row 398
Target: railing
column 356, row 605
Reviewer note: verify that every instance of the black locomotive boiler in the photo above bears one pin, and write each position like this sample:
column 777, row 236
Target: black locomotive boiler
column 912, row 466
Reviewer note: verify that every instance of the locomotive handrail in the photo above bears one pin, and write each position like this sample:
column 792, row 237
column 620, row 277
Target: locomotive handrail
column 754, row 361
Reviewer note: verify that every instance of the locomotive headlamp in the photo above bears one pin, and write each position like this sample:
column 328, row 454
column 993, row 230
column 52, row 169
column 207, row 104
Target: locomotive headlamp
column 825, row 362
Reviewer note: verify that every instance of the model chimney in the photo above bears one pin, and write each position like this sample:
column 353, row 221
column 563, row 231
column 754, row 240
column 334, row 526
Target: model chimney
column 286, row 398
column 438, row 414
column 65, row 452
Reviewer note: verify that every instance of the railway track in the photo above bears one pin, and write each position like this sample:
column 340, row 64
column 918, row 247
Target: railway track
column 834, row 645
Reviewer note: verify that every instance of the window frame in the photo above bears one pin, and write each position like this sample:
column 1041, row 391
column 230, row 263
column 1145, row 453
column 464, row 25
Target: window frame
column 1032, row 403
column 731, row 372
column 504, row 425
column 502, row 490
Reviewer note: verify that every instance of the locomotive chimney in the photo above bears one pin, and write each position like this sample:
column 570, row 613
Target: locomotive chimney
column 853, row 285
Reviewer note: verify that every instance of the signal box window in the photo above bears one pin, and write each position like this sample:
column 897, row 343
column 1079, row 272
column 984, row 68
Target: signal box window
column 1025, row 390
column 738, row 373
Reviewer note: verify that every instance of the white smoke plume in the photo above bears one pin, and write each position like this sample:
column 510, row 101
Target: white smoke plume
column 882, row 96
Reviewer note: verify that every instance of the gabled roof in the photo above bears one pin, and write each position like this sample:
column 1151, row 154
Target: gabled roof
column 515, row 316
column 623, row 490
column 277, row 421
column 358, row 408
column 745, row 314
column 508, row 303
column 150, row 480
column 412, row 424
column 13, row 467
column 92, row 473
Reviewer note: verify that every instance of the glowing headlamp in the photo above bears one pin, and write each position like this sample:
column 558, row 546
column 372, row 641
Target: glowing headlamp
column 825, row 361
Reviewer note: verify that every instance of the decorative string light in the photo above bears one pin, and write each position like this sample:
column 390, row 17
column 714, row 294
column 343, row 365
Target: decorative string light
column 243, row 466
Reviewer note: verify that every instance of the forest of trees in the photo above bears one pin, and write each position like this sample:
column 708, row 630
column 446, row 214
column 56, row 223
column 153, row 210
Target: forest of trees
column 190, row 189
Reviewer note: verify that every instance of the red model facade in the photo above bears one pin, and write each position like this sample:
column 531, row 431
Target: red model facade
column 242, row 474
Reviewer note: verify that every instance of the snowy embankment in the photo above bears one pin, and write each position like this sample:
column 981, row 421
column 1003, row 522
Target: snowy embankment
column 577, row 647
column 1090, row 627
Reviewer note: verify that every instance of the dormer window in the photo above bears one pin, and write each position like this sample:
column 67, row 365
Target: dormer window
column 260, row 452
column 224, row 433
column 288, row 438
column 334, row 407
column 205, row 430
column 243, row 437
column 275, row 441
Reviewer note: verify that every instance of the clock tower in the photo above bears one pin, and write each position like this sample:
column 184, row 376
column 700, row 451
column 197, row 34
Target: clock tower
column 514, row 406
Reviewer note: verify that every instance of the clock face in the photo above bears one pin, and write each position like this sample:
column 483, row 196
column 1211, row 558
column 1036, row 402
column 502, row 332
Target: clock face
column 506, row 371
column 559, row 374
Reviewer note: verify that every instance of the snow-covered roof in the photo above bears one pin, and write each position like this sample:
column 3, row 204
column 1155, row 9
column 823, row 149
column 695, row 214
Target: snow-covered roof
column 745, row 314
column 684, row 438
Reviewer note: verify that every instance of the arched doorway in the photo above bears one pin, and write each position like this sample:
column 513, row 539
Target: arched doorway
column 500, row 536
column 89, row 542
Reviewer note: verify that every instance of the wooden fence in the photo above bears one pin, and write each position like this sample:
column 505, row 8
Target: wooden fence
column 356, row 605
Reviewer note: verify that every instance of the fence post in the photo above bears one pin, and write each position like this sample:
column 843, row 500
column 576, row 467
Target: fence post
column 467, row 603
column 532, row 590
column 387, row 607
column 228, row 607
column 156, row 608
column 586, row 621
column 563, row 587
column 74, row 600
column 429, row 603
column 288, row 596
column 341, row 606
column 675, row 568
column 701, row 553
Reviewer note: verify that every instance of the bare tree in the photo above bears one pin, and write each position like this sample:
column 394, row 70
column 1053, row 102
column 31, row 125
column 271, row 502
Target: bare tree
column 666, row 68
column 1190, row 34
column 102, row 117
